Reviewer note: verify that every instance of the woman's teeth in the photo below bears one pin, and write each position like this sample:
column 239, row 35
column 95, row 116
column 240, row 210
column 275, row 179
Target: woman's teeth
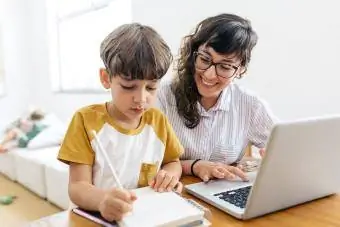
column 206, row 82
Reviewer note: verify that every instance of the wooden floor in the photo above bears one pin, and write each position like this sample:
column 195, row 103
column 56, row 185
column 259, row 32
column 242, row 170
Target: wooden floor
column 27, row 207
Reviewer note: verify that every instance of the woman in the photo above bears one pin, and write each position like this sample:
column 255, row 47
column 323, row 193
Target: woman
column 214, row 118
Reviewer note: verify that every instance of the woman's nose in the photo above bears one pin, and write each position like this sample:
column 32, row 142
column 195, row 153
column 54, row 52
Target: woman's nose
column 210, row 73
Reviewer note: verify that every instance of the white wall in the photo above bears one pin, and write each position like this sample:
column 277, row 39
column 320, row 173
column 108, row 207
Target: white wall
column 26, row 64
column 2, row 70
column 16, row 58
column 294, row 63
column 293, row 66
column 62, row 104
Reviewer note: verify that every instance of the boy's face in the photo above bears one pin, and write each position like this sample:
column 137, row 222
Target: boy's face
column 130, row 97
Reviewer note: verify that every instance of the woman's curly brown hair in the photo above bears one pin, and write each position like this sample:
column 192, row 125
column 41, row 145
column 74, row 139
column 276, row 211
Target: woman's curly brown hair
column 226, row 34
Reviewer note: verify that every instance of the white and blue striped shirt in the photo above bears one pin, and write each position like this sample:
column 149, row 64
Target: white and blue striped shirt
column 237, row 119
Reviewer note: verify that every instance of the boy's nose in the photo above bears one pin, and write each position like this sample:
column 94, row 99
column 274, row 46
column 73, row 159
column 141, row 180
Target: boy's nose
column 140, row 97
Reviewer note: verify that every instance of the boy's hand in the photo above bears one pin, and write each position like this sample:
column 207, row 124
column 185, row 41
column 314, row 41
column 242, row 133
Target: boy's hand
column 165, row 181
column 116, row 203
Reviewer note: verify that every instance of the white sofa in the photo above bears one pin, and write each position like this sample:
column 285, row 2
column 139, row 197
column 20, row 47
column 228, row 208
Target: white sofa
column 39, row 171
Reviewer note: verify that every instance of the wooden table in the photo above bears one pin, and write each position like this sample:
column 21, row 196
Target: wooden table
column 323, row 212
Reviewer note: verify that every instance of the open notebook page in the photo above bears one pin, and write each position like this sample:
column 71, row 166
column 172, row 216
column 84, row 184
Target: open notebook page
column 160, row 209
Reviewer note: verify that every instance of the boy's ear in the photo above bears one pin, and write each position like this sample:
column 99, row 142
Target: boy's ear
column 104, row 78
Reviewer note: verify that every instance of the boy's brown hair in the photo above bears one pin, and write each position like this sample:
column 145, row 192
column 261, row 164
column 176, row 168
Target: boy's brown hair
column 135, row 51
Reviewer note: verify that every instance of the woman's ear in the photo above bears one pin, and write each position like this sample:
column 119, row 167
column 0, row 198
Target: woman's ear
column 240, row 72
column 104, row 78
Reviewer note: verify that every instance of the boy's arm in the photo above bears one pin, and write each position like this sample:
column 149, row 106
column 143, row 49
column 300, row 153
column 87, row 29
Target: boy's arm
column 168, row 177
column 174, row 168
column 81, row 190
column 76, row 151
column 112, row 204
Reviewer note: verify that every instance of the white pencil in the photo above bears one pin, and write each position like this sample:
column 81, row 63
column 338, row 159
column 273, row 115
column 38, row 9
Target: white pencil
column 106, row 157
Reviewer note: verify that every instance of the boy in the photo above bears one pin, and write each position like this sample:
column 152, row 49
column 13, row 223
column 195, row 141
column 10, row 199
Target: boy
column 137, row 138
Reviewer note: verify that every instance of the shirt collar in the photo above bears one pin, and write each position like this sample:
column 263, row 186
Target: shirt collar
column 223, row 102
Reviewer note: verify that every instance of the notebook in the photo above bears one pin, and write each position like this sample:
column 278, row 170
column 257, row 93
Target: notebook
column 155, row 209
column 95, row 217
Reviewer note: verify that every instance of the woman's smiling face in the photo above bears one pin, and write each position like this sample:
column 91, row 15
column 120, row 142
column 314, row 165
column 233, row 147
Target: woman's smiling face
column 212, row 80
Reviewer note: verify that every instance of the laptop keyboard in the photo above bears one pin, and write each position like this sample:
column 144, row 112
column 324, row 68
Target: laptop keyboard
column 237, row 197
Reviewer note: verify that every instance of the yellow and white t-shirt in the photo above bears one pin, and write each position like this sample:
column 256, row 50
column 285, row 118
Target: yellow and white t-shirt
column 153, row 142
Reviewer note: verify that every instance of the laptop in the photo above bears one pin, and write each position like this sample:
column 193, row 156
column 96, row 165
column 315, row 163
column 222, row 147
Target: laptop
column 301, row 164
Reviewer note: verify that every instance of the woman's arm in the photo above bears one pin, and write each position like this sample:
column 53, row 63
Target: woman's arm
column 186, row 166
column 207, row 170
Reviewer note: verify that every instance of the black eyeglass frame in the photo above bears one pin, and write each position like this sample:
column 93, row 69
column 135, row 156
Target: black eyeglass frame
column 197, row 53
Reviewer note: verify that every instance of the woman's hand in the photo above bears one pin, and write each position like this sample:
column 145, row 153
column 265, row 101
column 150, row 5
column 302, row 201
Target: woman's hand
column 262, row 152
column 207, row 170
column 166, row 181
column 116, row 203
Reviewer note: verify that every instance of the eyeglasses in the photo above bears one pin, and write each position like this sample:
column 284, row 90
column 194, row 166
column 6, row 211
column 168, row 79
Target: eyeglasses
column 203, row 62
